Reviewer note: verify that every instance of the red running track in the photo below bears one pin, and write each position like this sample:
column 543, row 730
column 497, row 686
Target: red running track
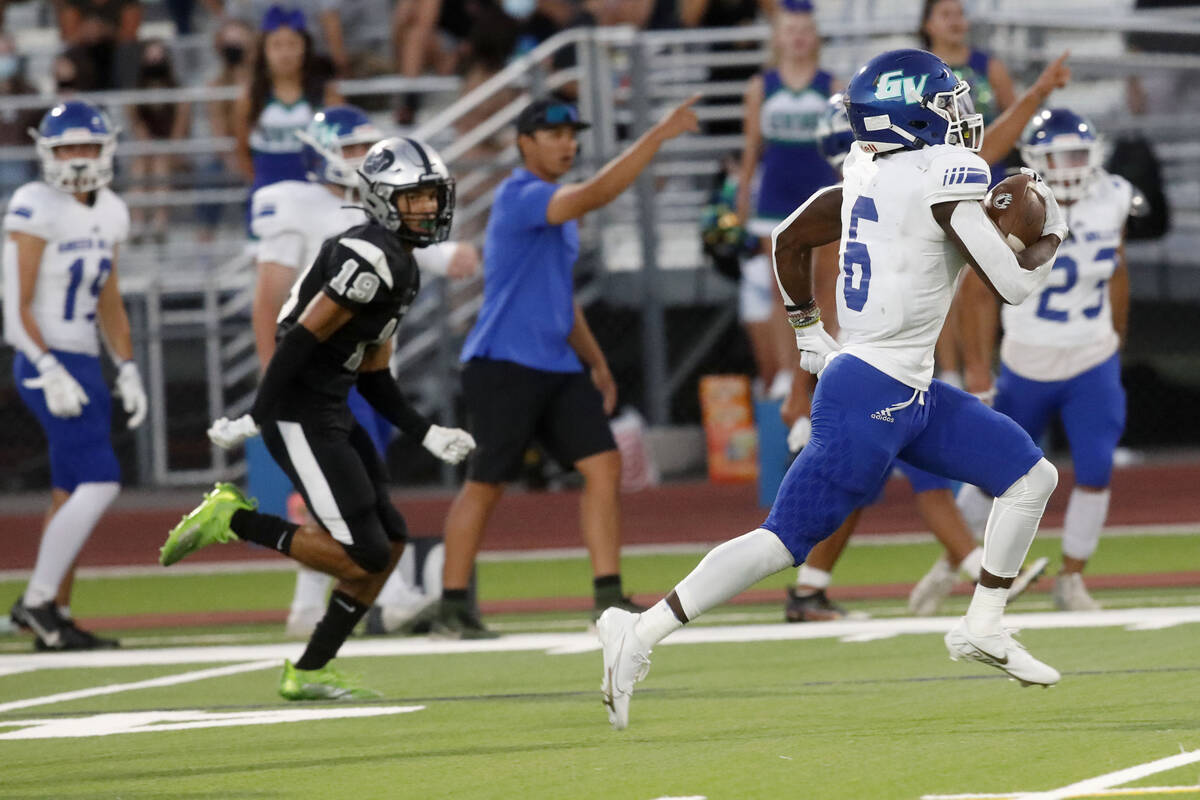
column 696, row 512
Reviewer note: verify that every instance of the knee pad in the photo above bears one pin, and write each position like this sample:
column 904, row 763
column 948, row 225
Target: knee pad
column 371, row 549
column 1033, row 489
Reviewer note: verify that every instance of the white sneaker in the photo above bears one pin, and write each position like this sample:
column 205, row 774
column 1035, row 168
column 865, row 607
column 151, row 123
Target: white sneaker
column 1026, row 577
column 927, row 596
column 1071, row 595
column 1002, row 651
column 626, row 661
column 401, row 618
column 302, row 621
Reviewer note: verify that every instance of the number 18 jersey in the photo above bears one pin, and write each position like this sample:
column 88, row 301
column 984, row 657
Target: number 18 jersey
column 898, row 269
column 1066, row 328
column 80, row 243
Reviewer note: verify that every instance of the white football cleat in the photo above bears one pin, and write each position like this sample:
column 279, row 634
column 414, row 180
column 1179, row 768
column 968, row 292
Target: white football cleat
column 926, row 597
column 1002, row 651
column 302, row 621
column 1026, row 577
column 1071, row 595
column 626, row 661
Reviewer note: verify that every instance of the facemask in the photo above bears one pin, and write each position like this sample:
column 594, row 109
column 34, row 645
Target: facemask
column 233, row 54
column 519, row 9
column 8, row 66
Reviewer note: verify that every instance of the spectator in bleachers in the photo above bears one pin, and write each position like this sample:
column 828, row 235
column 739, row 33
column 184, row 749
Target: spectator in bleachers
column 286, row 88
column 156, row 122
column 71, row 74
column 234, row 46
column 723, row 13
column 15, row 125
column 181, row 11
column 104, row 33
column 784, row 105
column 430, row 34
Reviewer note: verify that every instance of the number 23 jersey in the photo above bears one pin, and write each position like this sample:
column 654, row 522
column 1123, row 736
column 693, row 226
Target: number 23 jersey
column 897, row 268
column 1066, row 328
column 80, row 241
column 364, row 269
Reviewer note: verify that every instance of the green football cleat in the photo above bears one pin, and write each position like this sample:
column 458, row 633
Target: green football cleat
column 207, row 524
column 325, row 683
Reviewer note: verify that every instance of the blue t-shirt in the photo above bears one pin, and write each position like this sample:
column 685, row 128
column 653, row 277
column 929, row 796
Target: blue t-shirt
column 528, row 287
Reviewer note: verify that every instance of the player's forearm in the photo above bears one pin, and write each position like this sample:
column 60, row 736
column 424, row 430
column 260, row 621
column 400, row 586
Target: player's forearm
column 114, row 327
column 584, row 343
column 290, row 356
column 28, row 335
column 991, row 257
column 380, row 389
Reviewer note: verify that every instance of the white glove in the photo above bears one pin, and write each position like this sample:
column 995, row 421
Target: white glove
column 132, row 393
column 1056, row 221
column 228, row 433
column 799, row 435
column 64, row 396
column 449, row 444
column 815, row 346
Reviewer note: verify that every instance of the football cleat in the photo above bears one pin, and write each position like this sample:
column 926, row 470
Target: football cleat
column 934, row 587
column 626, row 661
column 1026, row 577
column 207, row 524
column 454, row 622
column 1071, row 595
column 53, row 632
column 1002, row 651
column 405, row 619
column 812, row 607
column 325, row 683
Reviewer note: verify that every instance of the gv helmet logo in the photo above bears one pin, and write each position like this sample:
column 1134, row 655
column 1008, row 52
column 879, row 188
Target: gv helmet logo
column 894, row 85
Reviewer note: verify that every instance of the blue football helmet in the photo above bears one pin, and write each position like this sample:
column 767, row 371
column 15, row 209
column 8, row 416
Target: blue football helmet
column 908, row 99
column 1064, row 148
column 834, row 135
column 331, row 131
column 69, row 123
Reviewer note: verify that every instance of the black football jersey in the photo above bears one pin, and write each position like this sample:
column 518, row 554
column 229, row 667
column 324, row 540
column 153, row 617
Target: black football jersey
column 364, row 269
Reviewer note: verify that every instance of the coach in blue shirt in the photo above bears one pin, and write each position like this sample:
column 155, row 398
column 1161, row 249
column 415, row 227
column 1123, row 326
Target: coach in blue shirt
column 524, row 361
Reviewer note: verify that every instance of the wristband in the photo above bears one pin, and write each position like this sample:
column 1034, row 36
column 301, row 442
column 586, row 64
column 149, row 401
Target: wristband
column 803, row 316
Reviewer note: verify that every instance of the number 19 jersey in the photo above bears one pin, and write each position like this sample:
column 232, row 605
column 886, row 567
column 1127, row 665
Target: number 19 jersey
column 1066, row 328
column 898, row 269
column 80, row 244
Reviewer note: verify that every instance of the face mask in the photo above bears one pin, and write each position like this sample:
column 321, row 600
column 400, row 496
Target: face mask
column 519, row 9
column 233, row 54
column 8, row 67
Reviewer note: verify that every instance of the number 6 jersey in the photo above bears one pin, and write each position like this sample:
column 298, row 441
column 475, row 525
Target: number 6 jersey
column 366, row 270
column 898, row 269
column 80, row 242
column 1066, row 328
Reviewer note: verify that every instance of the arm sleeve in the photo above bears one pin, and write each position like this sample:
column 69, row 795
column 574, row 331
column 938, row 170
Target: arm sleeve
column 994, row 257
column 382, row 392
column 290, row 355
column 529, row 205
column 435, row 259
column 956, row 174
column 26, row 215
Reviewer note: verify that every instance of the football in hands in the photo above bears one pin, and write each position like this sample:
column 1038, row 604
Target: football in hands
column 1017, row 210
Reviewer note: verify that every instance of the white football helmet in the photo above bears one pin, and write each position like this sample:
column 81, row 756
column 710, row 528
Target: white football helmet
column 401, row 164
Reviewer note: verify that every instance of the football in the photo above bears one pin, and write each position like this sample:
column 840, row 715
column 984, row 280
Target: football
column 1017, row 210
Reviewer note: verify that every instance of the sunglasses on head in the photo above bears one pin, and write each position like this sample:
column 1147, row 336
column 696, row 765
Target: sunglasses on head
column 559, row 115
column 279, row 17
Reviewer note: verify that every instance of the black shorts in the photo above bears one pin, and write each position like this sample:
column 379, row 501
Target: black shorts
column 344, row 483
column 510, row 405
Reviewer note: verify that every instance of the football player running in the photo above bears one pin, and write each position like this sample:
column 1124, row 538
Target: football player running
column 909, row 217
column 1060, row 353
column 61, row 239
column 291, row 220
column 337, row 332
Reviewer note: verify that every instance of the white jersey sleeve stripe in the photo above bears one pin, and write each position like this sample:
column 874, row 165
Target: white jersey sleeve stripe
column 373, row 256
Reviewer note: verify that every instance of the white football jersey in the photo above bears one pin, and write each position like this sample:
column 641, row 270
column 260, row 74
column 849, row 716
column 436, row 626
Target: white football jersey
column 1066, row 328
column 80, row 246
column 292, row 219
column 898, row 269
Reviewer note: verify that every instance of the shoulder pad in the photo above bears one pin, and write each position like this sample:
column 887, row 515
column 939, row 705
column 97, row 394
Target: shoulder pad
column 271, row 210
column 369, row 254
column 954, row 173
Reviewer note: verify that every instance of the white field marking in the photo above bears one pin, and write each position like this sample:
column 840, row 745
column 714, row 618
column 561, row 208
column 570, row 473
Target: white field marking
column 14, row 670
column 564, row 553
column 158, row 721
column 1132, row 791
column 152, row 683
column 1121, row 776
column 579, row 642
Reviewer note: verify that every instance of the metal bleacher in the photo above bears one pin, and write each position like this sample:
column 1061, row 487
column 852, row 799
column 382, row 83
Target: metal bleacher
column 190, row 299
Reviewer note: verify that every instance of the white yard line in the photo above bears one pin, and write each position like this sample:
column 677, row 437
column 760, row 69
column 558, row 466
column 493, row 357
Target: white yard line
column 1121, row 776
column 564, row 553
column 1133, row 791
column 152, row 683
